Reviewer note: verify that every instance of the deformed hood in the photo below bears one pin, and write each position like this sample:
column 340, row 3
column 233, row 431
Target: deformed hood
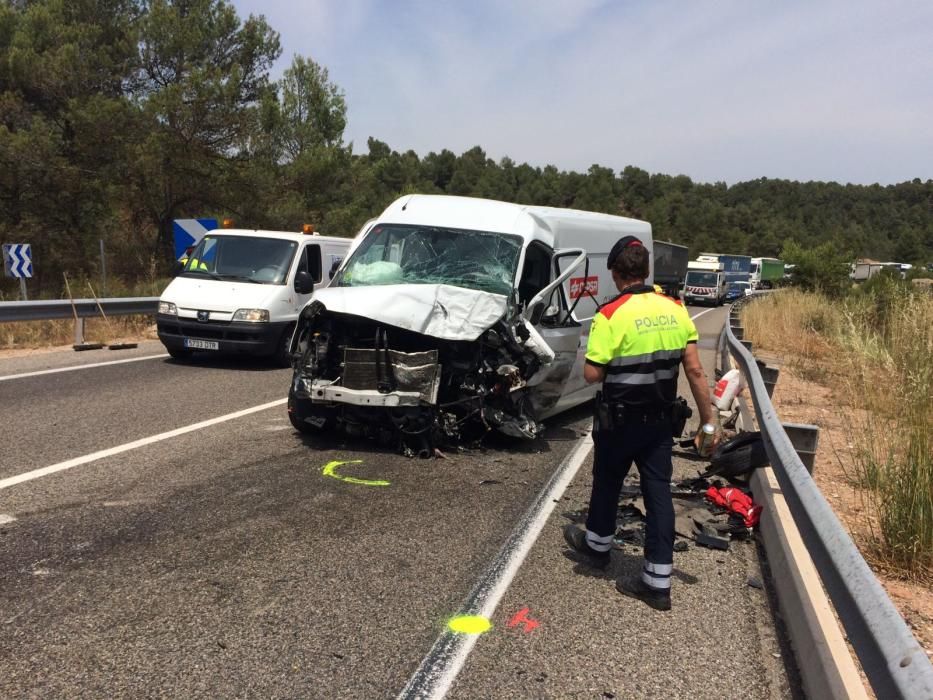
column 438, row 310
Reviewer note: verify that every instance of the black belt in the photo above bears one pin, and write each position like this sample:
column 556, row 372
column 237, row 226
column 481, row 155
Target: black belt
column 646, row 415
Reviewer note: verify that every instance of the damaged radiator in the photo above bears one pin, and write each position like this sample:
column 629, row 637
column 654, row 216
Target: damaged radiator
column 391, row 370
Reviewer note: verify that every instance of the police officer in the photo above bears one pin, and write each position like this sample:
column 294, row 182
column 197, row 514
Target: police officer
column 637, row 343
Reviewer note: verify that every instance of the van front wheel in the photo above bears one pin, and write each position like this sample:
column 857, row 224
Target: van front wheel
column 179, row 353
column 281, row 356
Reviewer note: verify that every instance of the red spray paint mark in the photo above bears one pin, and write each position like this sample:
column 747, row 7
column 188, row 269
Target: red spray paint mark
column 521, row 618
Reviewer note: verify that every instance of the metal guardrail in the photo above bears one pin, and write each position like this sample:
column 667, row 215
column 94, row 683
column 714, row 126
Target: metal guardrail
column 46, row 310
column 892, row 659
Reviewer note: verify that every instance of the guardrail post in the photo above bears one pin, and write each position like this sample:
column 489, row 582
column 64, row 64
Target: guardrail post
column 79, row 331
column 747, row 344
column 738, row 332
column 805, row 438
column 769, row 374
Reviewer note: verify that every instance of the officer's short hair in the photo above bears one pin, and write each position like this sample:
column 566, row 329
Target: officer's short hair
column 629, row 258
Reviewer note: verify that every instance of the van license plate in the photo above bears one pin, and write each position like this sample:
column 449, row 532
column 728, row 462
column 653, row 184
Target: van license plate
column 197, row 344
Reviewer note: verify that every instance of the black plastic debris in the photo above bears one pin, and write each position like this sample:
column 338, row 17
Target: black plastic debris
column 738, row 456
column 707, row 537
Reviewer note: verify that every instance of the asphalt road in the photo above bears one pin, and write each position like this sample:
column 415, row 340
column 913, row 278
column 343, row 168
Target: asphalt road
column 221, row 562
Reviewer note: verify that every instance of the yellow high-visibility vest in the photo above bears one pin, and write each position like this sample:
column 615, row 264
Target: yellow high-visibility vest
column 639, row 338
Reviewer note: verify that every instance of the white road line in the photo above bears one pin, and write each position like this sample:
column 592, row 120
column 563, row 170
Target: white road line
column 136, row 444
column 23, row 375
column 712, row 308
column 439, row 669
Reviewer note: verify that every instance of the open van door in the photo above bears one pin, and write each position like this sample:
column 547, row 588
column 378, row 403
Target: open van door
column 547, row 311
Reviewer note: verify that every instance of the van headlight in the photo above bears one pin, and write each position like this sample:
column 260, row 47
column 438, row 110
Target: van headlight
column 167, row 307
column 252, row 315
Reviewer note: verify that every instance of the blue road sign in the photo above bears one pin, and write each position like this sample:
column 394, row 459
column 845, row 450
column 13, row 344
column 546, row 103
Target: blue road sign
column 17, row 260
column 188, row 232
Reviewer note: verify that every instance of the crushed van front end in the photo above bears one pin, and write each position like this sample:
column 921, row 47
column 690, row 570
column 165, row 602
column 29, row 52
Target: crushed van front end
column 366, row 376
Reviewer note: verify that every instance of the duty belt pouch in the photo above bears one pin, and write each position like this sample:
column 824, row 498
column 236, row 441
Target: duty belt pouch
column 680, row 412
column 602, row 415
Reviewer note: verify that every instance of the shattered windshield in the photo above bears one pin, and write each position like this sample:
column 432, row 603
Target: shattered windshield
column 242, row 259
column 702, row 279
column 400, row 254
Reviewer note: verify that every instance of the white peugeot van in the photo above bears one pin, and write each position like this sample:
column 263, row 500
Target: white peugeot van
column 241, row 291
column 452, row 316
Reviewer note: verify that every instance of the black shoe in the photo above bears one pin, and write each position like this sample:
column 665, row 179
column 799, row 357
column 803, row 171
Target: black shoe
column 576, row 538
column 634, row 587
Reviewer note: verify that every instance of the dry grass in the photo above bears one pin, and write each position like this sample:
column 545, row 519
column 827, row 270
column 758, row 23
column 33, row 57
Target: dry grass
column 874, row 349
column 46, row 334
column 43, row 334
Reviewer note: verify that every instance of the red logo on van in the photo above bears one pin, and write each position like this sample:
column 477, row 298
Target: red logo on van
column 580, row 286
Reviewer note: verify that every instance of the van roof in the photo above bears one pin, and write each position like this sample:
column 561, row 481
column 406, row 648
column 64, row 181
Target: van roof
column 529, row 222
column 281, row 235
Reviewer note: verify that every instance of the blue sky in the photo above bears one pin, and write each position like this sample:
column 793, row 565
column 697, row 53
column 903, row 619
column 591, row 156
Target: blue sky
column 727, row 90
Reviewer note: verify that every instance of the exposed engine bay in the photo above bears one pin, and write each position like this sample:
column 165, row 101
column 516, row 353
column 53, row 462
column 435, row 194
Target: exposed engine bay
column 365, row 377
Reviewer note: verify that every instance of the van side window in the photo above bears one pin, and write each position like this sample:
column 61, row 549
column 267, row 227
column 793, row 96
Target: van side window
column 536, row 273
column 311, row 262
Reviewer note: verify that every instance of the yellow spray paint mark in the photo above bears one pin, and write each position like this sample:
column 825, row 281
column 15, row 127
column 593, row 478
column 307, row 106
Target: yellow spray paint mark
column 330, row 469
column 469, row 624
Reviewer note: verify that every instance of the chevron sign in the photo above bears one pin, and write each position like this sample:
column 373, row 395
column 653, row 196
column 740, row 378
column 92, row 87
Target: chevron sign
column 17, row 260
column 188, row 232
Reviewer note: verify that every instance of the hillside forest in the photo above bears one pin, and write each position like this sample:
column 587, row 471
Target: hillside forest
column 118, row 116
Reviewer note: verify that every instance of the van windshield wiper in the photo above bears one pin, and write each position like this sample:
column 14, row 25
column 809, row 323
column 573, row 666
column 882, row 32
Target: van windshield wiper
column 240, row 278
column 212, row 275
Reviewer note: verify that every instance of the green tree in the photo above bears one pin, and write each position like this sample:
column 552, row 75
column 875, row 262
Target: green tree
column 202, row 79
column 822, row 268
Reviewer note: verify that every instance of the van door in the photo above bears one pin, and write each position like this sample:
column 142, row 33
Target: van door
column 580, row 298
column 334, row 254
column 560, row 333
column 310, row 260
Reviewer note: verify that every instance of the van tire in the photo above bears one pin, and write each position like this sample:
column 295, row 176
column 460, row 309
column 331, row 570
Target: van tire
column 280, row 357
column 740, row 455
column 179, row 354
column 297, row 417
column 299, row 425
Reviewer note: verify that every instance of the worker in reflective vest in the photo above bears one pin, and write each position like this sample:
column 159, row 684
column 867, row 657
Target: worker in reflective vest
column 636, row 346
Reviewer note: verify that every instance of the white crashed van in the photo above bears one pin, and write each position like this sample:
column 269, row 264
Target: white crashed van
column 453, row 316
column 240, row 292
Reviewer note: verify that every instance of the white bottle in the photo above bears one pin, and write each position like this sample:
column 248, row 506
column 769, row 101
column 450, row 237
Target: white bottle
column 727, row 388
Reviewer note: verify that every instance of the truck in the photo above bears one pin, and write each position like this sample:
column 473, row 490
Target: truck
column 766, row 272
column 737, row 269
column 670, row 266
column 705, row 283
column 454, row 316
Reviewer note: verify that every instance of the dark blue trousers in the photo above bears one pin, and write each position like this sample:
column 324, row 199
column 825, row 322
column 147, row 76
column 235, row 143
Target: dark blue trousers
column 649, row 446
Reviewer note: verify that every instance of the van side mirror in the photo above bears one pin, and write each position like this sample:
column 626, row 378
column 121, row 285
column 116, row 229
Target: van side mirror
column 304, row 283
column 177, row 268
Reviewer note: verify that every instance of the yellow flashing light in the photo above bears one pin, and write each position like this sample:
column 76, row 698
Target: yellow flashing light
column 228, row 223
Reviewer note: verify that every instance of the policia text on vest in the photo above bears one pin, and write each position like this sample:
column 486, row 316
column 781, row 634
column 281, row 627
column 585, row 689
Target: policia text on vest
column 637, row 344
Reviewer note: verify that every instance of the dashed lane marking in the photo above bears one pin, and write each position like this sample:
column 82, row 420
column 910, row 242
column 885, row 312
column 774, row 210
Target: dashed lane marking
column 23, row 375
column 136, row 444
